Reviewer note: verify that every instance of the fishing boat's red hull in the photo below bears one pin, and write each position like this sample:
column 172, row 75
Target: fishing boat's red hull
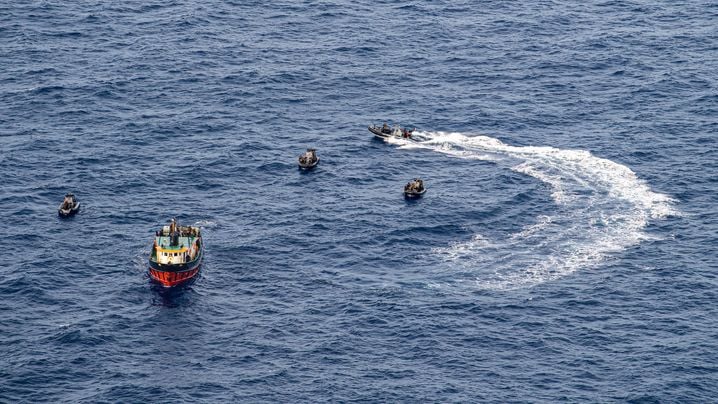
column 170, row 278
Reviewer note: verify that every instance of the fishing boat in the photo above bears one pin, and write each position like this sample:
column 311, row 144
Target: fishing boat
column 309, row 159
column 69, row 206
column 414, row 188
column 385, row 132
column 176, row 254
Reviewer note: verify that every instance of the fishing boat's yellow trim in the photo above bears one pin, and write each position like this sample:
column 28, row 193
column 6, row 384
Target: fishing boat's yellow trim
column 181, row 250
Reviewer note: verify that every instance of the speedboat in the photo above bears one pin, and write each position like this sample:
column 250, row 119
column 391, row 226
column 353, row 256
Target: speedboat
column 414, row 188
column 69, row 206
column 176, row 254
column 385, row 132
column 309, row 159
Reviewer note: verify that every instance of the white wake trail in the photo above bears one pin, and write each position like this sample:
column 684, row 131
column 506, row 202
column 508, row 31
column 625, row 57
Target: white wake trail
column 603, row 209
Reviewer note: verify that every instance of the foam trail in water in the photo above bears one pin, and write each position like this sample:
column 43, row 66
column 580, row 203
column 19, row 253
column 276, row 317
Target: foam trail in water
column 603, row 209
column 206, row 224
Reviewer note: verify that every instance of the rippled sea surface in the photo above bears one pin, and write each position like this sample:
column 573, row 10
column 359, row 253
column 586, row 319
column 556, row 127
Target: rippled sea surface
column 564, row 251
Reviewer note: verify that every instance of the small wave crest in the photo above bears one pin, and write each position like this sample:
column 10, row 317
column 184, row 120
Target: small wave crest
column 207, row 224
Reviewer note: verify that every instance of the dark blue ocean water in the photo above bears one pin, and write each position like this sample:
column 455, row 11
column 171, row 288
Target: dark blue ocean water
column 565, row 249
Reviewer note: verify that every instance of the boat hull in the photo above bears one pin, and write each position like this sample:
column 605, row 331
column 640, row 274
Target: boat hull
column 68, row 212
column 411, row 194
column 170, row 279
column 310, row 165
column 378, row 133
column 170, row 275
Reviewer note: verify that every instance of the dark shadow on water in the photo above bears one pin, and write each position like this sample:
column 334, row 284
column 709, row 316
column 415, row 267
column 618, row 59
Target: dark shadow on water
column 178, row 296
column 68, row 217
column 307, row 171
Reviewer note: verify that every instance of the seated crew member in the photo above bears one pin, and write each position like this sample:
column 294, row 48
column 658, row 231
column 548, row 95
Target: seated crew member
column 68, row 202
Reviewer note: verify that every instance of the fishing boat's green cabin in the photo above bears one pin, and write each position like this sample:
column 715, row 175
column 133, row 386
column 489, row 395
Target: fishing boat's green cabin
column 176, row 245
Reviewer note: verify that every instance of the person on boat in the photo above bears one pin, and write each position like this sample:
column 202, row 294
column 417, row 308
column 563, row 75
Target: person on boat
column 305, row 158
column 415, row 185
column 68, row 202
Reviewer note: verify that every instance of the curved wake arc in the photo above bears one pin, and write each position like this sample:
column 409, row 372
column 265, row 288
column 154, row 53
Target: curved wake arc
column 603, row 208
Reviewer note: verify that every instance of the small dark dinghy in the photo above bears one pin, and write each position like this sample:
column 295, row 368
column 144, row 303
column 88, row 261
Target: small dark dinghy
column 414, row 188
column 69, row 206
column 385, row 132
column 309, row 159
